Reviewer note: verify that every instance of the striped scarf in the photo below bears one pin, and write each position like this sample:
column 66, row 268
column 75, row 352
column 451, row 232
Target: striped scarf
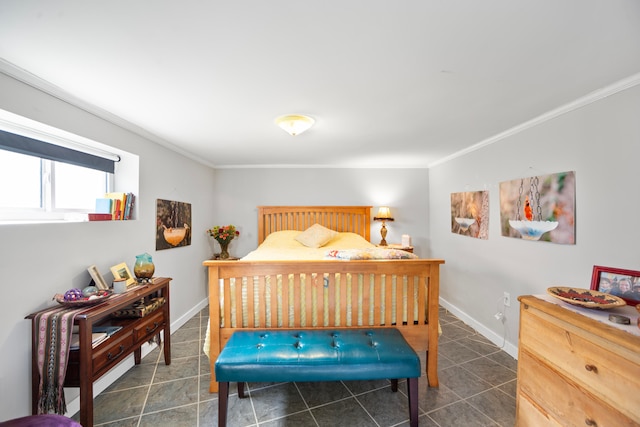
column 54, row 337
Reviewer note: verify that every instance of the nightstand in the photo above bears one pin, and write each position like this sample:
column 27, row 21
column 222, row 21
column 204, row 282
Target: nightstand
column 400, row 247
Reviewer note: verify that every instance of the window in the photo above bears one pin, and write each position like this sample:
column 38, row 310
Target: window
column 41, row 181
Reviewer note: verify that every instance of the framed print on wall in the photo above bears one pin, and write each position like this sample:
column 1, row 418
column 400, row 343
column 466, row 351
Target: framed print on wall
column 173, row 224
column 539, row 208
column 617, row 281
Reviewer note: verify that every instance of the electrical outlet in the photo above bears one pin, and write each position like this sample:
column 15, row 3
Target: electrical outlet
column 506, row 299
column 499, row 316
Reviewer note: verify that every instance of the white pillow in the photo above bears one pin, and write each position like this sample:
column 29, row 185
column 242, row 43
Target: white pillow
column 316, row 236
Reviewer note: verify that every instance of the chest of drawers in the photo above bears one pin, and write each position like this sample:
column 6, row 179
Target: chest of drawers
column 575, row 371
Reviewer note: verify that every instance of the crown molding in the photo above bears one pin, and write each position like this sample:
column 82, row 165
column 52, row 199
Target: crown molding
column 590, row 98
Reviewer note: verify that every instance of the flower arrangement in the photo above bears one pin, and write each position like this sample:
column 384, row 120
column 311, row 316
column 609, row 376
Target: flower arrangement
column 223, row 233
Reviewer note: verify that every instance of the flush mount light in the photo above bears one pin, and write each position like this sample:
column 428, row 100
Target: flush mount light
column 294, row 124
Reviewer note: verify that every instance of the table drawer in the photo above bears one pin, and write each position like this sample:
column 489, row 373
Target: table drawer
column 111, row 352
column 561, row 399
column 149, row 326
column 608, row 373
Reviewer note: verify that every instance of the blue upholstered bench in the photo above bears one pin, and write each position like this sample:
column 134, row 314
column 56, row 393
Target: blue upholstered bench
column 317, row 355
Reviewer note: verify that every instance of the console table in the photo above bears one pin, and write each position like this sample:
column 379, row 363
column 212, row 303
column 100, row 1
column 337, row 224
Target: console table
column 88, row 363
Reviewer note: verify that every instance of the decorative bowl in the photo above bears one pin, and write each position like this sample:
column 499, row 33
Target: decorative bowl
column 87, row 301
column 586, row 297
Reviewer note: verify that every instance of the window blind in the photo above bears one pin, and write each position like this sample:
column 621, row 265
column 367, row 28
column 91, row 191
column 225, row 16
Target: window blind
column 34, row 147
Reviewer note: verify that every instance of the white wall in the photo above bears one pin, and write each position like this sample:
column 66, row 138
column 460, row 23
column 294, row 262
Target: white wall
column 601, row 143
column 405, row 191
column 38, row 261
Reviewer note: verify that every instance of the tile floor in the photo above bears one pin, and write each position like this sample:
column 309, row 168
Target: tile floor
column 477, row 388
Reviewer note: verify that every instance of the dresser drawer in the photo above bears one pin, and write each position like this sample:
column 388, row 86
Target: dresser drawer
column 609, row 372
column 148, row 326
column 111, row 352
column 530, row 415
column 561, row 400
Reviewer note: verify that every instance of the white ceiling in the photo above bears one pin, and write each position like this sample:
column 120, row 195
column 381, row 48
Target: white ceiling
column 402, row 83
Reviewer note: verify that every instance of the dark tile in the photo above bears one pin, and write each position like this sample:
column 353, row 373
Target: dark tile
column 357, row 387
column 497, row 405
column 205, row 364
column 489, row 371
column 182, row 335
column 127, row 422
column 239, row 412
column 456, row 330
column 181, row 368
column 153, row 356
column 138, row 375
column 457, row 352
column 470, row 367
column 108, row 407
column 460, row 414
column 510, row 388
column 423, row 421
column 462, row 382
column 194, row 322
column 300, row 419
column 432, row 398
column 504, row 359
column 319, row 393
column 204, row 393
column 185, row 349
column 277, row 401
column 170, row 394
column 479, row 344
column 208, row 415
column 386, row 407
column 347, row 412
column 184, row 416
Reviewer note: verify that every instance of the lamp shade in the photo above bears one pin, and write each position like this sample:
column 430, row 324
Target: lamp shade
column 294, row 124
column 384, row 213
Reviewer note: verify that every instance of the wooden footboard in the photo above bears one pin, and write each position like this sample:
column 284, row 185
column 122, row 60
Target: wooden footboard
column 326, row 294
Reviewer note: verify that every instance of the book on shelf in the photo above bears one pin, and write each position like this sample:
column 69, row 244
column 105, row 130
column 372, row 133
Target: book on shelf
column 107, row 329
column 96, row 338
column 121, row 205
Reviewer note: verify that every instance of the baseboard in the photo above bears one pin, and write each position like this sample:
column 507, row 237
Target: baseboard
column 121, row 368
column 498, row 340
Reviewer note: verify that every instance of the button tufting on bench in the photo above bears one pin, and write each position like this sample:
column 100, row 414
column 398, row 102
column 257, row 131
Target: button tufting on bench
column 317, row 355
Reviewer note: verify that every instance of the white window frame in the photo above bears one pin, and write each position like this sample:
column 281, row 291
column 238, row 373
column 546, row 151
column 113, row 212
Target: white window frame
column 18, row 125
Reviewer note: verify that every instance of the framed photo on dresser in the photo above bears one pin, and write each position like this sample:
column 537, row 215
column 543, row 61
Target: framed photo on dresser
column 617, row 281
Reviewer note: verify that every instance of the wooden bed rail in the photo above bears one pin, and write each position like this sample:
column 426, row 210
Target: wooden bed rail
column 326, row 294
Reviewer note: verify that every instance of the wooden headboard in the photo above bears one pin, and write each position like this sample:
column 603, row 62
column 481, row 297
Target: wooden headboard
column 354, row 219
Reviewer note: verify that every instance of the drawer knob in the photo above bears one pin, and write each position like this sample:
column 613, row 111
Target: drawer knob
column 591, row 368
column 155, row 326
column 590, row 422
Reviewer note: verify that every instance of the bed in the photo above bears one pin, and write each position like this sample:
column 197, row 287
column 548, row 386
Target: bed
column 302, row 291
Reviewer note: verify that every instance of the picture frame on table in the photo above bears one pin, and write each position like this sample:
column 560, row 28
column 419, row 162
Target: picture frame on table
column 121, row 271
column 98, row 280
column 617, row 281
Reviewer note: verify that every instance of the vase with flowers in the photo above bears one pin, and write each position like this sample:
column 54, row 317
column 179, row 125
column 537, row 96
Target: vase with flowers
column 224, row 234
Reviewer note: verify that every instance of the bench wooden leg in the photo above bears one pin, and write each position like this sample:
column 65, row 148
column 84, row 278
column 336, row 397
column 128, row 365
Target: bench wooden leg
column 394, row 385
column 412, row 391
column 223, row 403
column 241, row 394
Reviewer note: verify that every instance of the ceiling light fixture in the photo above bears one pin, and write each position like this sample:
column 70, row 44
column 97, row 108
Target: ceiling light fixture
column 294, row 124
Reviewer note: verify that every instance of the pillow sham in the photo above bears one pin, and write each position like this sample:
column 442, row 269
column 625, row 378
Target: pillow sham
column 316, row 236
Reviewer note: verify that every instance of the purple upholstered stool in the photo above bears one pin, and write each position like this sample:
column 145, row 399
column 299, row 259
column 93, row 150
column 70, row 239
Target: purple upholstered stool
column 45, row 420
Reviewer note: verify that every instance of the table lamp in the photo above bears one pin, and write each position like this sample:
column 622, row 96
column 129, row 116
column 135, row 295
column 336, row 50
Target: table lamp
column 384, row 215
